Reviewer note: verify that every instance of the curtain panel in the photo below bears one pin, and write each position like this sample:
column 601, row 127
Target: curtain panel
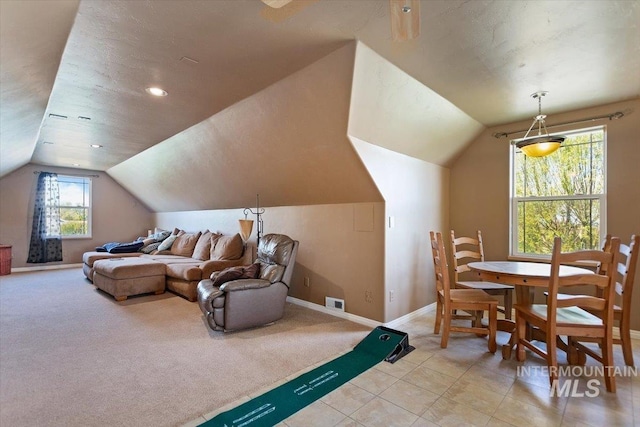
column 46, row 240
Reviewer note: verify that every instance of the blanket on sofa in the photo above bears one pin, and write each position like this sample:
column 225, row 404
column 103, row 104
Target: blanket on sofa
column 121, row 248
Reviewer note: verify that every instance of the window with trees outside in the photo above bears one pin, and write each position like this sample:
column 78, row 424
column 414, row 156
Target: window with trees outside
column 562, row 194
column 75, row 206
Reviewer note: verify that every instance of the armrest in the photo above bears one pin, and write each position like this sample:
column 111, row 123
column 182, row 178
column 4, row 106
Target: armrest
column 210, row 266
column 244, row 284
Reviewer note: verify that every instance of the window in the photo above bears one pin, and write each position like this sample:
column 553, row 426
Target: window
column 75, row 206
column 562, row 194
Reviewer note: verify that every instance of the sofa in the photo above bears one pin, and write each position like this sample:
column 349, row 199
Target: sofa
column 188, row 257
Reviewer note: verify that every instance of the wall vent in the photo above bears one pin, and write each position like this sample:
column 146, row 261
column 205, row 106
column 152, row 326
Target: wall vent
column 334, row 303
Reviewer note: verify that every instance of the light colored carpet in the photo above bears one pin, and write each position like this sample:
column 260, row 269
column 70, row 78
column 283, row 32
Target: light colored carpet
column 71, row 355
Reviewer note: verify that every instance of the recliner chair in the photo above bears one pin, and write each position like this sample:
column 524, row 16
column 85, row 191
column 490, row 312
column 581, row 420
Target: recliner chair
column 245, row 303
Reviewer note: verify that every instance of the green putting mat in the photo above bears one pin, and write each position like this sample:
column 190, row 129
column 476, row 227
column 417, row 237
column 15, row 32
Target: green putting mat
column 283, row 401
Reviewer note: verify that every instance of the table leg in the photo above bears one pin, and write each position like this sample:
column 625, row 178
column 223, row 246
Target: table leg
column 524, row 295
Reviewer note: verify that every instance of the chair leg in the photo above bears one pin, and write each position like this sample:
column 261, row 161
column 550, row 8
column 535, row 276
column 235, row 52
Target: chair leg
column 552, row 359
column 477, row 318
column 445, row 329
column 493, row 326
column 572, row 351
column 508, row 304
column 521, row 330
column 439, row 308
column 607, row 362
column 627, row 350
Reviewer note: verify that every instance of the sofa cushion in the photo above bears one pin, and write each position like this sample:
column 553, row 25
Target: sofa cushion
column 185, row 243
column 167, row 243
column 128, row 268
column 90, row 257
column 202, row 250
column 185, row 271
column 227, row 247
column 235, row 273
column 171, row 259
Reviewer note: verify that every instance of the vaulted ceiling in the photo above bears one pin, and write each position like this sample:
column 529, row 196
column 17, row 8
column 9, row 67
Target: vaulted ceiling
column 74, row 73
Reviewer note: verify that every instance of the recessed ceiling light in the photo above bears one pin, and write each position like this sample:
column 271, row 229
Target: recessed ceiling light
column 156, row 91
column 76, row 164
column 96, row 146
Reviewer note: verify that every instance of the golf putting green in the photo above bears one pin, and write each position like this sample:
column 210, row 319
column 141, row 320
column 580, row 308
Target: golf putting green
column 278, row 404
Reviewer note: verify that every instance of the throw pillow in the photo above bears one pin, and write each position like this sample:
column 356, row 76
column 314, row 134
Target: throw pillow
column 227, row 248
column 150, row 248
column 160, row 236
column 234, row 273
column 203, row 247
column 184, row 244
column 166, row 243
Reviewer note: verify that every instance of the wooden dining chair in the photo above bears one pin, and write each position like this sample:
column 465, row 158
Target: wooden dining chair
column 576, row 316
column 469, row 249
column 624, row 277
column 450, row 301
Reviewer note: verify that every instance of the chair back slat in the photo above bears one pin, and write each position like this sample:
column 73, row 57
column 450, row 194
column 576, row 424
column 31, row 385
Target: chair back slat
column 467, row 254
column 583, row 301
column 465, row 250
column 440, row 265
column 630, row 254
column 598, row 280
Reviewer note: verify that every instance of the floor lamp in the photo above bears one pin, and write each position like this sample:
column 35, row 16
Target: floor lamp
column 246, row 225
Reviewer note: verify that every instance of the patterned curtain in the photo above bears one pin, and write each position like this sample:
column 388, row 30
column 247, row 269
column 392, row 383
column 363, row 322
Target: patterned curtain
column 46, row 241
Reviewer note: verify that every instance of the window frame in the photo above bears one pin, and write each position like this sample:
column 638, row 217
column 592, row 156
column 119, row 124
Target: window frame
column 88, row 206
column 513, row 200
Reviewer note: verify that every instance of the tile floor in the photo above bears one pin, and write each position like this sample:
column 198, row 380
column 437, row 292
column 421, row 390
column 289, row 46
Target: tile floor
column 464, row 385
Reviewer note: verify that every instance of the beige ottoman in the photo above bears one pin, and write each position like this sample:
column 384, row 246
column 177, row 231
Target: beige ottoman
column 123, row 277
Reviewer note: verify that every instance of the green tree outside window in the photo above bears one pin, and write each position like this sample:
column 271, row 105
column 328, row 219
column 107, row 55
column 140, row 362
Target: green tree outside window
column 562, row 194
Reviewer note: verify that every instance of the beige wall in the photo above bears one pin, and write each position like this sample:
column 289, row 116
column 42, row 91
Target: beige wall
column 416, row 197
column 117, row 215
column 397, row 126
column 341, row 248
column 480, row 181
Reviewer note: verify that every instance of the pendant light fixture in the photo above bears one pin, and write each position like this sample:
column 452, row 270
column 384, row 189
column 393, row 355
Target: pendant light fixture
column 542, row 144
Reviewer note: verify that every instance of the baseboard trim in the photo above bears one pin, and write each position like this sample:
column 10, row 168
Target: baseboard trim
column 342, row 314
column 45, row 267
column 410, row 316
column 359, row 319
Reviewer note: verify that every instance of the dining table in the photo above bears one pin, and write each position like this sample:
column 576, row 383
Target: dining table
column 525, row 276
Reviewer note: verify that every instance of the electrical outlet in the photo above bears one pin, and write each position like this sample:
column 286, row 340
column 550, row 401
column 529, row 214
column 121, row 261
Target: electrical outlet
column 392, row 296
column 368, row 296
column 307, row 282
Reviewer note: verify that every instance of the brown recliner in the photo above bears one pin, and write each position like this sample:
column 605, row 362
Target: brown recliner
column 245, row 303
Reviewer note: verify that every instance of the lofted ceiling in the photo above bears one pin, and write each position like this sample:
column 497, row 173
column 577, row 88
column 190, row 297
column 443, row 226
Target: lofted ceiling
column 74, row 73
